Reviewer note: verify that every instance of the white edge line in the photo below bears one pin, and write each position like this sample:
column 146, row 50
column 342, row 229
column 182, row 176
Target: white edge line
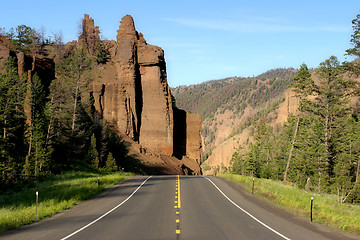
column 72, row 234
column 247, row 212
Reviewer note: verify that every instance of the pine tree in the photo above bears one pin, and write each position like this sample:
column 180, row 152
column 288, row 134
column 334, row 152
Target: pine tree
column 238, row 161
column 354, row 66
column 71, row 122
column 38, row 158
column 93, row 153
column 304, row 86
column 330, row 105
column 347, row 157
column 355, row 38
column 12, row 118
column 264, row 141
column 110, row 163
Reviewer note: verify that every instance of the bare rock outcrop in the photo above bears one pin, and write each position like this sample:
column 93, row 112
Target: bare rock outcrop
column 136, row 100
column 27, row 66
column 187, row 138
column 90, row 35
column 193, row 137
column 5, row 50
column 131, row 93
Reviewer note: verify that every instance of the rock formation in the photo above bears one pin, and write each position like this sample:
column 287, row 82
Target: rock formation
column 90, row 34
column 131, row 94
column 28, row 65
column 136, row 99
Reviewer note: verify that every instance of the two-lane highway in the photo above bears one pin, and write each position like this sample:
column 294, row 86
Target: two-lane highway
column 173, row 207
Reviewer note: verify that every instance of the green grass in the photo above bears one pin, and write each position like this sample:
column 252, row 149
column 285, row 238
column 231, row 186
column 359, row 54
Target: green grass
column 327, row 210
column 56, row 194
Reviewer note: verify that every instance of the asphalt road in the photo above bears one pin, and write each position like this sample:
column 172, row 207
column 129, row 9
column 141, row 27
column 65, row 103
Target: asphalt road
column 173, row 207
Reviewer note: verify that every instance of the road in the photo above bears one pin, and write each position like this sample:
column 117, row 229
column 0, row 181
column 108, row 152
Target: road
column 174, row 207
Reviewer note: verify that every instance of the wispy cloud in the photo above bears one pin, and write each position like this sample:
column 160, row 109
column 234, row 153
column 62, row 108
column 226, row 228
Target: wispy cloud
column 261, row 25
column 183, row 42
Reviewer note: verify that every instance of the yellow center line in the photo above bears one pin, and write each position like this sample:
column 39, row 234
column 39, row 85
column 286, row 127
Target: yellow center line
column 179, row 201
column 177, row 206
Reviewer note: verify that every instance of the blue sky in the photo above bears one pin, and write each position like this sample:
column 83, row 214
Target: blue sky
column 207, row 40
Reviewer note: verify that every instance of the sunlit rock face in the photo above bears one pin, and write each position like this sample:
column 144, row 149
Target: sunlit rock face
column 137, row 99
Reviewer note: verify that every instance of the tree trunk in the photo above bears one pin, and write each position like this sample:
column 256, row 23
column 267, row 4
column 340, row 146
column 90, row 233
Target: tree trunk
column 327, row 134
column 319, row 181
column 73, row 121
column 49, row 126
column 36, row 159
column 357, row 171
column 75, row 105
column 4, row 133
column 356, row 181
column 291, row 148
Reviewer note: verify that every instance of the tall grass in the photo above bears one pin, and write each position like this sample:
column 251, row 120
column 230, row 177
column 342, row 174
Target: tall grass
column 56, row 194
column 327, row 210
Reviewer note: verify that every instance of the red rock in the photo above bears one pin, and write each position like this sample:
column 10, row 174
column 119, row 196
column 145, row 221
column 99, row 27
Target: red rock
column 137, row 100
column 90, row 34
column 193, row 137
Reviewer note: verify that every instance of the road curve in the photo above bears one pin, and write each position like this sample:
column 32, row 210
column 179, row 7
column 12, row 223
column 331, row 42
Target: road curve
column 174, row 207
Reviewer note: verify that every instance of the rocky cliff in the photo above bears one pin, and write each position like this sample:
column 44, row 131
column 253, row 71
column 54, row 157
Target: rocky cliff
column 28, row 65
column 232, row 107
column 132, row 94
column 90, row 34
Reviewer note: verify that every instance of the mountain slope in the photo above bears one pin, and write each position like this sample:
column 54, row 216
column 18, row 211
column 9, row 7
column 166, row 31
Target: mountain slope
column 230, row 106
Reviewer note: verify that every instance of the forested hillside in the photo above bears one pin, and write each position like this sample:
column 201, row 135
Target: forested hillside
column 255, row 96
column 316, row 147
column 48, row 124
column 234, row 93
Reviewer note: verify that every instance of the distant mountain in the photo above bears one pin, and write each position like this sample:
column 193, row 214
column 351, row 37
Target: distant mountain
column 230, row 106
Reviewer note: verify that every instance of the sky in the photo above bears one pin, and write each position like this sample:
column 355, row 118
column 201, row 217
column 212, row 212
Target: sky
column 208, row 40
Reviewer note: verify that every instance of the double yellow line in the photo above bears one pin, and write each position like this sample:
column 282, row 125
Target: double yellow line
column 178, row 186
column 177, row 206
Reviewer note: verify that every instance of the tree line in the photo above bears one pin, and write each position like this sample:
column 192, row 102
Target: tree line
column 319, row 147
column 62, row 131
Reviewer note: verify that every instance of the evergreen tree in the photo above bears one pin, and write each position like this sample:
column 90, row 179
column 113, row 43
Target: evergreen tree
column 264, row 155
column 330, row 105
column 110, row 163
column 309, row 154
column 238, row 161
column 347, row 157
column 93, row 153
column 70, row 107
column 355, row 38
column 304, row 86
column 354, row 66
column 38, row 158
column 12, row 118
column 23, row 37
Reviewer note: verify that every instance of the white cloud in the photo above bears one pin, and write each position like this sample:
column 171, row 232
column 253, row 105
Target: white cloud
column 258, row 25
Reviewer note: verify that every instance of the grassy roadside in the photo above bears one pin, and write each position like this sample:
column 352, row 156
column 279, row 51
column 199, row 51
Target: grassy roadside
column 56, row 194
column 327, row 211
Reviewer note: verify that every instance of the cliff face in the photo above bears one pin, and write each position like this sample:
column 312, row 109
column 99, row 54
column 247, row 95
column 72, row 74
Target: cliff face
column 90, row 34
column 136, row 99
column 131, row 94
column 28, row 65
